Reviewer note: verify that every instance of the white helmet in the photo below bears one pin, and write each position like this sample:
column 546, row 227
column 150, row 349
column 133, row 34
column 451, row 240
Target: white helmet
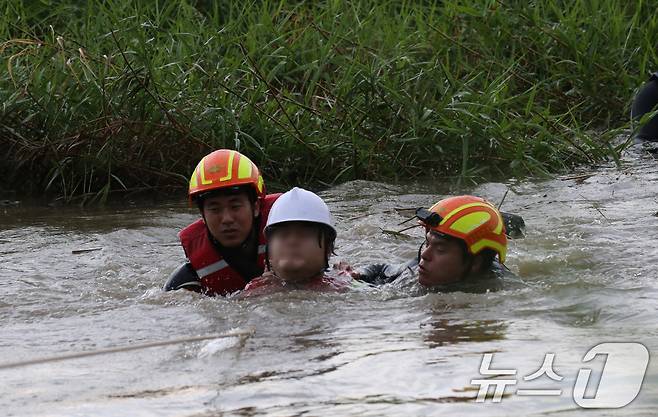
column 299, row 205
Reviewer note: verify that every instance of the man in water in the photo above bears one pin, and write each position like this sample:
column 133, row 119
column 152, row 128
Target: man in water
column 225, row 248
column 464, row 249
column 300, row 240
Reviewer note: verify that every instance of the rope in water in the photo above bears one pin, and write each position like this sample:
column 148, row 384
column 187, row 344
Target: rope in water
column 77, row 355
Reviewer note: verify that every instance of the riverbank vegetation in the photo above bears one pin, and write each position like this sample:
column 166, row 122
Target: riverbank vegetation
column 120, row 96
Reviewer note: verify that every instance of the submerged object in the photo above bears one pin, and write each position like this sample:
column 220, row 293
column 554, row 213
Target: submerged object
column 645, row 101
column 514, row 225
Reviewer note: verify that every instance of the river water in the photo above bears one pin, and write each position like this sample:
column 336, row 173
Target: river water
column 589, row 263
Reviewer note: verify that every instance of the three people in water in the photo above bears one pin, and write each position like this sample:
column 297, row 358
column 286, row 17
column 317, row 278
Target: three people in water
column 238, row 243
column 249, row 241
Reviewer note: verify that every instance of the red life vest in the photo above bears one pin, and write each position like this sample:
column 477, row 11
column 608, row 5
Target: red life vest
column 216, row 275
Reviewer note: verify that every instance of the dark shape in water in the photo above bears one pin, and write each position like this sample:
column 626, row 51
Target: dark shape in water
column 645, row 101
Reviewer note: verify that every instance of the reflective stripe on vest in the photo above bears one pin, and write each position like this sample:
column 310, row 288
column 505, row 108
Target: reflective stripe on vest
column 212, row 268
column 219, row 265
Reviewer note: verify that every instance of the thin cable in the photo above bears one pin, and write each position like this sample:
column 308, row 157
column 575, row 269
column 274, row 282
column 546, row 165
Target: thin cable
column 117, row 349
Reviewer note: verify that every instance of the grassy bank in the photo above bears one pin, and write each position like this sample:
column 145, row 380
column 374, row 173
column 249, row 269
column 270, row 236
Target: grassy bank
column 120, row 95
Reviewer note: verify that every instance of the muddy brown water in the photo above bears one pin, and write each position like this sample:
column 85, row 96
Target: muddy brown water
column 589, row 263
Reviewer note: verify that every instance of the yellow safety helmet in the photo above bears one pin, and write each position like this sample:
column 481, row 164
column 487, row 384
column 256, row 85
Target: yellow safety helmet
column 471, row 219
column 222, row 169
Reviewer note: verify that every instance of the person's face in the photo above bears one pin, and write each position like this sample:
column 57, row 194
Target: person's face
column 295, row 251
column 230, row 218
column 441, row 261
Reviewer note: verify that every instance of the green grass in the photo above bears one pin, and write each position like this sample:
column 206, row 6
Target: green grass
column 104, row 96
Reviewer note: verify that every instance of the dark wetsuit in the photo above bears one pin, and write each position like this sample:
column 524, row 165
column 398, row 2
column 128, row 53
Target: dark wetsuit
column 495, row 279
column 645, row 101
column 185, row 277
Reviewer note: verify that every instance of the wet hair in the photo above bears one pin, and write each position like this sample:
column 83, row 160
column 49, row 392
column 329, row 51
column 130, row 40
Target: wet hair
column 329, row 236
column 488, row 257
column 237, row 190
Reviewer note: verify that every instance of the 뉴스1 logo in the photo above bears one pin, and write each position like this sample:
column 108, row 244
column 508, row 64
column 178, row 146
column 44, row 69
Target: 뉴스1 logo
column 627, row 360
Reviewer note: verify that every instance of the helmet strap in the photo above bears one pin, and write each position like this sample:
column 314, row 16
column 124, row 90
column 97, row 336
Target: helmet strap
column 420, row 250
